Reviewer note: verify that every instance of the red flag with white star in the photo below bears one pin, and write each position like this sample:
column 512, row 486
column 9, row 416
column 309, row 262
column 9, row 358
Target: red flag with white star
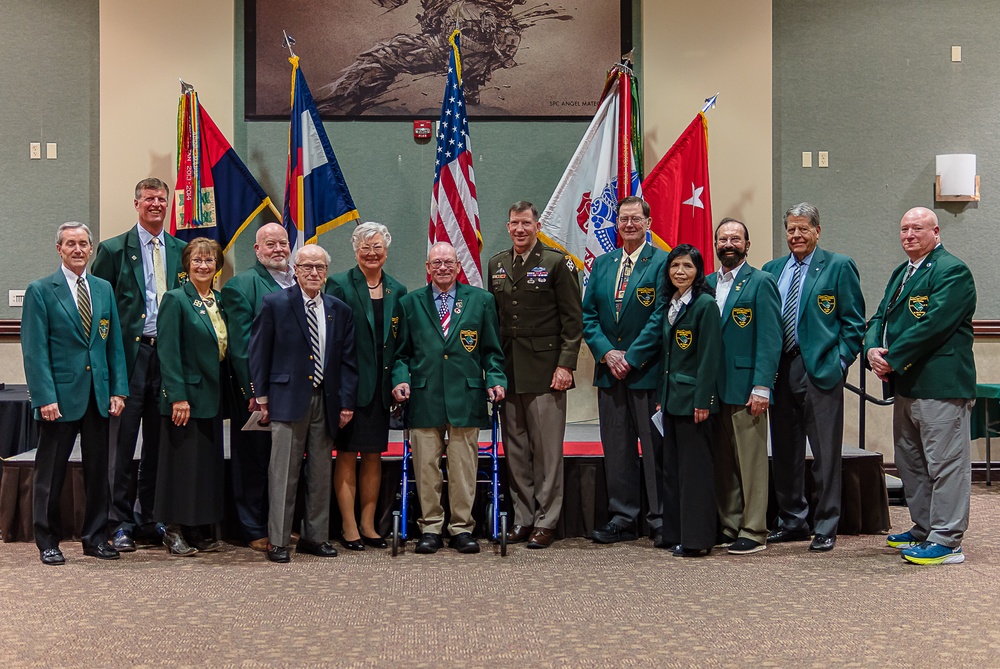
column 678, row 194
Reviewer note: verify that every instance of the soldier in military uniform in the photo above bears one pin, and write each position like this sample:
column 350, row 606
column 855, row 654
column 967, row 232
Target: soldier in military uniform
column 538, row 298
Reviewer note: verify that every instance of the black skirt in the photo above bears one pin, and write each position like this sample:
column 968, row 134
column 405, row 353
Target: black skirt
column 190, row 472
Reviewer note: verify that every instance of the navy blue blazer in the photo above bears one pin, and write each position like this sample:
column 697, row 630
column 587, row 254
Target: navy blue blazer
column 281, row 362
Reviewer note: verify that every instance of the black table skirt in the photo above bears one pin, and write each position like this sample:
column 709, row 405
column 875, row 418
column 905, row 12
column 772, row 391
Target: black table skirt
column 865, row 507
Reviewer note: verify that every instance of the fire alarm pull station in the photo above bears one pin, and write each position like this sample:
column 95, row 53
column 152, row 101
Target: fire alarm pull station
column 421, row 130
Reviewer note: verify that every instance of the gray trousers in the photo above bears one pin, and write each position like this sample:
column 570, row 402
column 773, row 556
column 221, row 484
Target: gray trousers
column 802, row 410
column 933, row 456
column 289, row 441
column 533, row 429
column 625, row 418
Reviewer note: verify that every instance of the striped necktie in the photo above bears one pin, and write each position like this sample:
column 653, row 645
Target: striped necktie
column 622, row 285
column 444, row 313
column 313, row 323
column 159, row 274
column 83, row 304
column 790, row 312
column 899, row 288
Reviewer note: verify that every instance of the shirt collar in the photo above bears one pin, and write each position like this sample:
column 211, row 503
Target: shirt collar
column 436, row 292
column 71, row 276
column 146, row 237
column 683, row 299
column 915, row 264
column 634, row 256
column 730, row 275
column 805, row 261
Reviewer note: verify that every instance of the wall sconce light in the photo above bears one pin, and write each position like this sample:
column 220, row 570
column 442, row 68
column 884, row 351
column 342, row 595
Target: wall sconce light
column 957, row 180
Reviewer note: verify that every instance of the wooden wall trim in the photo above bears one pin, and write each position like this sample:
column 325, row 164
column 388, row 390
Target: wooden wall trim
column 10, row 327
column 986, row 328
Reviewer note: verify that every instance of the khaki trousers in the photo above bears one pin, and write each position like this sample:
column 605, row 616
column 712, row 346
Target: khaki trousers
column 740, row 457
column 428, row 445
column 533, row 429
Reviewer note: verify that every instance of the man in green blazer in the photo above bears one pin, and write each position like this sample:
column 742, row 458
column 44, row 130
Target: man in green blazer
column 823, row 323
column 250, row 452
column 920, row 341
column 140, row 265
column 751, row 341
column 75, row 367
column 538, row 299
column 448, row 363
column 623, row 307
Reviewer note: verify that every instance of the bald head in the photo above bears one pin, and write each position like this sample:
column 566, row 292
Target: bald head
column 271, row 247
column 919, row 232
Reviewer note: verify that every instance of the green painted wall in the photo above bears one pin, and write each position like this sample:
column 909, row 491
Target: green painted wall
column 49, row 53
column 873, row 84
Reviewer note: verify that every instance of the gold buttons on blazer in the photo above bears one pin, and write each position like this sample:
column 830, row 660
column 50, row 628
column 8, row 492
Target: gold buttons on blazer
column 445, row 356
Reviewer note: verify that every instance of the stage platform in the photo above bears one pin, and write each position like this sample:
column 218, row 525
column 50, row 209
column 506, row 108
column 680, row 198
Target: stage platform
column 864, row 508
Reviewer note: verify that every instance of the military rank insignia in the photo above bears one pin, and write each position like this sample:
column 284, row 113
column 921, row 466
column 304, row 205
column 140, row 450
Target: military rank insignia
column 103, row 327
column 827, row 303
column 742, row 316
column 469, row 339
column 646, row 296
column 395, row 327
column 684, row 338
column 918, row 305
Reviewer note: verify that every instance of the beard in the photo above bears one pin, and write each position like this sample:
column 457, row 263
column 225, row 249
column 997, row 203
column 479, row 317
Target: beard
column 278, row 265
column 730, row 258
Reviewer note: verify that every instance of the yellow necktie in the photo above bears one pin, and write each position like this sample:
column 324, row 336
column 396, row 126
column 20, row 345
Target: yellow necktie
column 159, row 275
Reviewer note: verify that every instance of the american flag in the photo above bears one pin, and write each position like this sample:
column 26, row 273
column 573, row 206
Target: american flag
column 454, row 210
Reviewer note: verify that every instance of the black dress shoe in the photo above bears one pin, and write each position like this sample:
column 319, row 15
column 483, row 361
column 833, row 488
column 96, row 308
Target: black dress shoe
column 611, row 533
column 781, row 535
column 681, row 551
column 52, row 556
column 353, row 544
column 278, row 554
column 822, row 543
column 102, row 551
column 123, row 541
column 428, row 543
column 464, row 543
column 318, row 549
column 374, row 542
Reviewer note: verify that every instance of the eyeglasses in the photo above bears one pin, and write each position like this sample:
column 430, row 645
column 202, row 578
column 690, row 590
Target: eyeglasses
column 437, row 264
column 202, row 261
column 377, row 249
column 309, row 269
column 729, row 240
column 631, row 219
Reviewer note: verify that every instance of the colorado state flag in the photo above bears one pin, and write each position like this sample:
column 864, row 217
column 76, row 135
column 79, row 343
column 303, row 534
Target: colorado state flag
column 316, row 196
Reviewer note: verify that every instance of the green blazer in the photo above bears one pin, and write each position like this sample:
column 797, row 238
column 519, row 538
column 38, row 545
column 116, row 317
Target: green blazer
column 751, row 334
column 188, row 350
column 929, row 329
column 831, row 315
column 692, row 355
column 638, row 330
column 540, row 318
column 448, row 377
column 241, row 297
column 61, row 364
column 119, row 261
column 352, row 288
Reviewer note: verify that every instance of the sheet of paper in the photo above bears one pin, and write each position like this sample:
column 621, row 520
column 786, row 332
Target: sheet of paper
column 657, row 419
column 254, row 425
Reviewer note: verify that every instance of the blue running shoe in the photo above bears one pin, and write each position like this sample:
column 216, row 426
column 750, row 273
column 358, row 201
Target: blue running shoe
column 903, row 540
column 931, row 553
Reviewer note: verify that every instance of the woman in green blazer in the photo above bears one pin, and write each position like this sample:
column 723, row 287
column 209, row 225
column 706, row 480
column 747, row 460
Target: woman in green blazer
column 372, row 295
column 692, row 350
column 192, row 345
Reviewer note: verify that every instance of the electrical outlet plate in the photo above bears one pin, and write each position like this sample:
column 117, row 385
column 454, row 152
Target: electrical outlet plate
column 15, row 298
column 35, row 150
column 824, row 159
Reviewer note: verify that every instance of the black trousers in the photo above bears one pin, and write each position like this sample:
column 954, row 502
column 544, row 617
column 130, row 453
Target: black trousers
column 249, row 458
column 690, row 517
column 142, row 409
column 55, row 444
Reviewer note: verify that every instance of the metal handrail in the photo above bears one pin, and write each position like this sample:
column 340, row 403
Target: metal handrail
column 864, row 397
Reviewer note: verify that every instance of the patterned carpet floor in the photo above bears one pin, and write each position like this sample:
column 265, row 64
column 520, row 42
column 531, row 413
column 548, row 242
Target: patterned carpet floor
column 575, row 604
